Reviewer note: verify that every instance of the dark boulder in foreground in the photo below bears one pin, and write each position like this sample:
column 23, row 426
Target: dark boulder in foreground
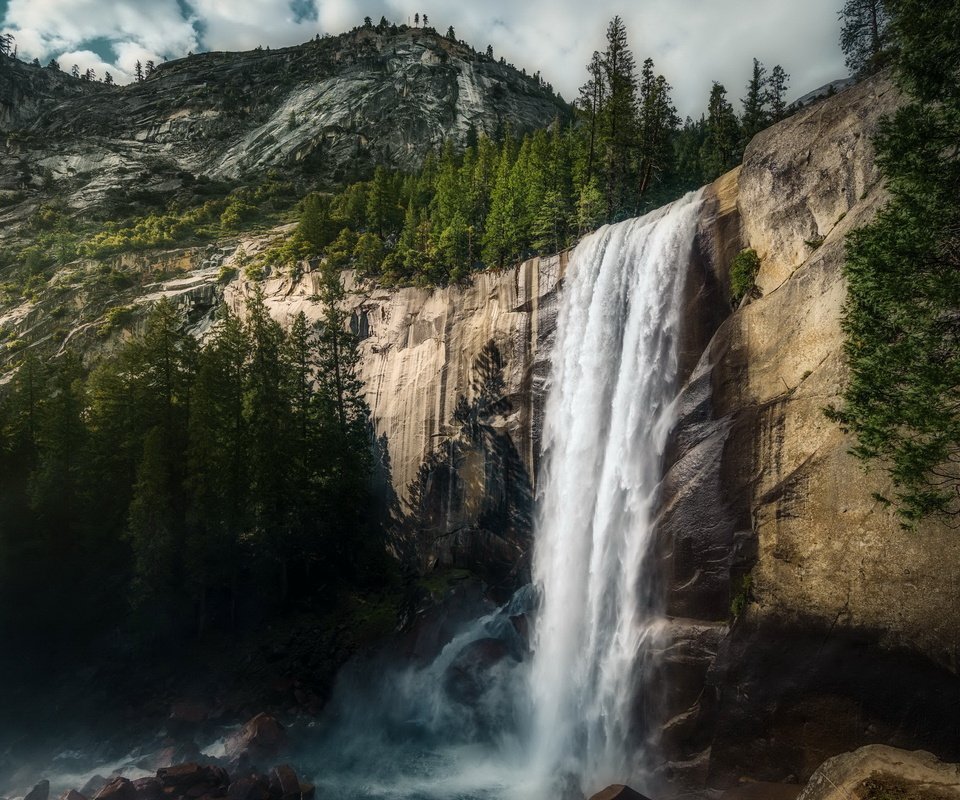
column 619, row 792
column 117, row 789
column 249, row 788
column 93, row 786
column 192, row 779
column 468, row 675
column 263, row 737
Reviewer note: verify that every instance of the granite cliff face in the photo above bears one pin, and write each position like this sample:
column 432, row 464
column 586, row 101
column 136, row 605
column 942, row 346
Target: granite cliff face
column 807, row 621
column 454, row 379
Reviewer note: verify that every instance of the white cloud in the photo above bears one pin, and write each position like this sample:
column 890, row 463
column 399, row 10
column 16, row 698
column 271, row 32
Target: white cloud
column 87, row 59
column 693, row 42
column 65, row 29
column 244, row 24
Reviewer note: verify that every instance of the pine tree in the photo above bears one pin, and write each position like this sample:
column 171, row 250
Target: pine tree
column 498, row 237
column 218, row 481
column 591, row 101
column 755, row 117
column 383, row 213
column 776, row 93
column 864, row 35
column 657, row 123
column 267, row 442
column 903, row 271
column 721, row 144
column 155, row 537
column 619, row 117
column 317, row 227
column 590, row 207
column 347, row 442
column 139, row 71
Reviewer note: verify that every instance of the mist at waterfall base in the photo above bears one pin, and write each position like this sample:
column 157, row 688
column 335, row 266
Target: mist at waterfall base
column 565, row 712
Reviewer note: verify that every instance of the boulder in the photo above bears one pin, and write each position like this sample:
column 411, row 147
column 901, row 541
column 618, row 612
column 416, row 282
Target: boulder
column 173, row 753
column 94, row 785
column 467, row 677
column 284, row 783
column 72, row 794
column 39, row 792
column 193, row 780
column 148, row 789
column 880, row 771
column 619, row 792
column 117, row 789
column 250, row 788
column 262, row 737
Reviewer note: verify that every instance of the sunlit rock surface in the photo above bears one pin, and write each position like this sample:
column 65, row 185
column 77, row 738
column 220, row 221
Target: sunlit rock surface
column 886, row 772
column 827, row 619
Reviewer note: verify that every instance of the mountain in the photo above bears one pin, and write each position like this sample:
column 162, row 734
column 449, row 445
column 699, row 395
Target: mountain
column 332, row 108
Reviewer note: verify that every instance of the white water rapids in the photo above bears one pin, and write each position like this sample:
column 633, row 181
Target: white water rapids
column 609, row 412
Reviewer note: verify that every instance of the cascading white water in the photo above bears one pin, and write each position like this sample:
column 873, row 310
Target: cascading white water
column 608, row 414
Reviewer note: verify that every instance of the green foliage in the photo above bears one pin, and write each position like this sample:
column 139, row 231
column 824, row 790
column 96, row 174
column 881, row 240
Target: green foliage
column 177, row 225
column 743, row 274
column 205, row 483
column 902, row 400
column 722, row 141
column 865, row 34
column 742, row 595
column 115, row 318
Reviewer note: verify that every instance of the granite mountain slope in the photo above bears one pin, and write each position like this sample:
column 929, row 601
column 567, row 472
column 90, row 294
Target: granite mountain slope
column 332, row 108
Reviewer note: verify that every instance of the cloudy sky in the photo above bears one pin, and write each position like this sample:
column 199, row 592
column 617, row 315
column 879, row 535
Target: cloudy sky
column 693, row 42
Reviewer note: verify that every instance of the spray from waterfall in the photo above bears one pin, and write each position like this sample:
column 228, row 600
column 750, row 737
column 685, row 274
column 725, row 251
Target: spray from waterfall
column 608, row 415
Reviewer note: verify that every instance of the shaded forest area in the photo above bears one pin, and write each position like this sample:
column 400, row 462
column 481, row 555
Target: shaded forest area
column 178, row 489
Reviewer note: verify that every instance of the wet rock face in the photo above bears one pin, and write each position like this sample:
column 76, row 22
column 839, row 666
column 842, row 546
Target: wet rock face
column 333, row 108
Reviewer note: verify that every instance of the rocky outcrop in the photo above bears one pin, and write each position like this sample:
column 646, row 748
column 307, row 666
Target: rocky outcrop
column 814, row 623
column 27, row 91
column 877, row 772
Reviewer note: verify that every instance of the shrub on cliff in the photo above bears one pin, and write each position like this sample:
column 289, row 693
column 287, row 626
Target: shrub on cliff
column 743, row 275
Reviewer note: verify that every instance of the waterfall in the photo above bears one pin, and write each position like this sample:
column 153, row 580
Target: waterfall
column 608, row 414
column 481, row 720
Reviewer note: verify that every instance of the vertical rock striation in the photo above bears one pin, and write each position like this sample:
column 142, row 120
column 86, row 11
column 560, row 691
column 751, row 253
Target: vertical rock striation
column 807, row 621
